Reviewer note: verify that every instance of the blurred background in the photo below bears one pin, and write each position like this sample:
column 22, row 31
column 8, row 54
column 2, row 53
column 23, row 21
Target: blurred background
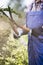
column 13, row 51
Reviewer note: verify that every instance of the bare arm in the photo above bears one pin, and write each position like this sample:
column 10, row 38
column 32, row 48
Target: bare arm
column 23, row 30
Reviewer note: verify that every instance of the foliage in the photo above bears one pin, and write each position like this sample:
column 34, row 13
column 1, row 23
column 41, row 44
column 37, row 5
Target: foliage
column 16, row 53
column 16, row 4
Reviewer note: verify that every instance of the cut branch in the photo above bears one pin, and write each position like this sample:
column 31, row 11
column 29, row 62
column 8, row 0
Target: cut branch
column 12, row 11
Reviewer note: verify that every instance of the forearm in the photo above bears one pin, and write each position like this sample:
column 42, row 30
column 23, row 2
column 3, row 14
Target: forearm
column 23, row 31
column 24, row 28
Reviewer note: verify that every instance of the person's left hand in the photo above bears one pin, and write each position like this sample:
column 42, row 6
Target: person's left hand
column 16, row 36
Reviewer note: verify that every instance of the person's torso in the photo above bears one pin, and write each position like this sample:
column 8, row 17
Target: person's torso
column 34, row 19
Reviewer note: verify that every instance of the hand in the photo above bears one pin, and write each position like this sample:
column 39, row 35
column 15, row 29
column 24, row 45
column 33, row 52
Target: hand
column 16, row 36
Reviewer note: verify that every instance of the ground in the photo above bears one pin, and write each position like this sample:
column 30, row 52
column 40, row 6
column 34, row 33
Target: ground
column 12, row 51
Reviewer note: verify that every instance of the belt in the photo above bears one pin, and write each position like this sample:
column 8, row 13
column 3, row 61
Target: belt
column 37, row 31
column 36, row 34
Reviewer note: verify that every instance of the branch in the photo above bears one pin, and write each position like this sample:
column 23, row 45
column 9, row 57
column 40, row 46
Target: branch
column 14, row 27
column 12, row 11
